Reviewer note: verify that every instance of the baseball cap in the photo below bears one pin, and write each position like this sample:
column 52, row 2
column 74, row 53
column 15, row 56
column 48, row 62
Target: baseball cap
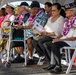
column 24, row 4
column 35, row 4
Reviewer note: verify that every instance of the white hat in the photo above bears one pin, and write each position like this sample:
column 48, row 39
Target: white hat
column 10, row 5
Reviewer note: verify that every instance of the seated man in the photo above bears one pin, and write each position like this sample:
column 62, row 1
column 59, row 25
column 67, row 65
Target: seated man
column 48, row 6
column 68, row 38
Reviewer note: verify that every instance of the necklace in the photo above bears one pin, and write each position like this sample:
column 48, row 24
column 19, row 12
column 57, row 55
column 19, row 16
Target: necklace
column 68, row 24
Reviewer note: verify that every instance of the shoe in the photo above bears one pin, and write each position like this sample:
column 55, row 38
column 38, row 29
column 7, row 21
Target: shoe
column 18, row 59
column 4, row 58
column 50, row 67
column 57, row 69
column 30, row 62
column 41, row 61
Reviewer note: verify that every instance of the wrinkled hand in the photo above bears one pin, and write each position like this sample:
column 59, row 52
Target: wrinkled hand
column 56, row 40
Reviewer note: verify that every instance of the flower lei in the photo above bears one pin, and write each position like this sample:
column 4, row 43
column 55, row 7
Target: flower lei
column 33, row 18
column 20, row 18
column 68, row 25
column 8, row 16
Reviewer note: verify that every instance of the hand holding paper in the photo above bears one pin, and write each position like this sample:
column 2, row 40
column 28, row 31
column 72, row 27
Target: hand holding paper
column 38, row 27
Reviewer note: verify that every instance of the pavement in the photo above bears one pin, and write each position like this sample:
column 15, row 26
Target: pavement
column 19, row 69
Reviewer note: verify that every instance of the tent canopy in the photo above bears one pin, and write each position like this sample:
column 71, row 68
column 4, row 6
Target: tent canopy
column 62, row 2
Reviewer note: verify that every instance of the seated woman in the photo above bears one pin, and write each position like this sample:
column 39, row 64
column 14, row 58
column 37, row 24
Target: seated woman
column 53, row 28
column 68, row 38
column 2, row 16
column 18, row 34
column 10, row 14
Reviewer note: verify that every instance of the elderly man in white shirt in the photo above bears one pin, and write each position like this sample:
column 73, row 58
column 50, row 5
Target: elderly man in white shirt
column 68, row 38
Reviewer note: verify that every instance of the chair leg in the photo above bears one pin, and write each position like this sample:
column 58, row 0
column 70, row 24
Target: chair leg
column 69, row 57
column 71, row 62
column 66, row 56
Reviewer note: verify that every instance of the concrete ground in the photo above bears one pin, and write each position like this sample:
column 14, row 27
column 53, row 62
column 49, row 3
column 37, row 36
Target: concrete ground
column 19, row 69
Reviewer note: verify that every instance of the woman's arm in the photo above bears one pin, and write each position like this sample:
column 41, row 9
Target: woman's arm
column 67, row 39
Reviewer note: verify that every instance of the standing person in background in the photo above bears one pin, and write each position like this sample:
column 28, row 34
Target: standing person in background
column 63, row 11
column 48, row 6
column 63, row 7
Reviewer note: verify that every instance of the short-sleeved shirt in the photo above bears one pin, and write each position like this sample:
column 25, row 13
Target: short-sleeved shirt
column 41, row 20
column 56, row 27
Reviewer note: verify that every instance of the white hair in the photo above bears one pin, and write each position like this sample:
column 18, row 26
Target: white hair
column 26, row 7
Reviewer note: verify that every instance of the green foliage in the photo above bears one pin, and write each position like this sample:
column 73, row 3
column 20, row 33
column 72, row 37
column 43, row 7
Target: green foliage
column 16, row 10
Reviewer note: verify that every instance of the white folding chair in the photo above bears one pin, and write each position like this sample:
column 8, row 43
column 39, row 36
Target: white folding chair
column 69, row 59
